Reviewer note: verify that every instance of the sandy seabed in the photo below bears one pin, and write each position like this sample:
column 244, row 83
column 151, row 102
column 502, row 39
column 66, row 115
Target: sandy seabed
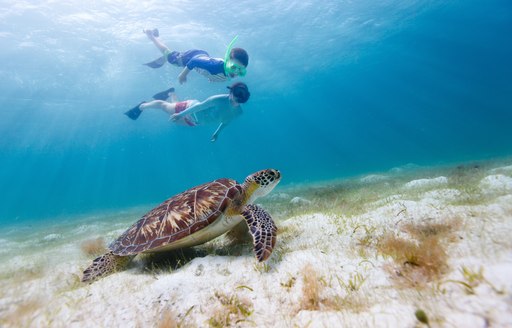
column 410, row 247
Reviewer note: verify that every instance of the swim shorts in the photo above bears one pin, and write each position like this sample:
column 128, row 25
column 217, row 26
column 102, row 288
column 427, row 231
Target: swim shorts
column 182, row 58
column 180, row 107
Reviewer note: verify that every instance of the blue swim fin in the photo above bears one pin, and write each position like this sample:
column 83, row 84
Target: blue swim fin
column 134, row 113
column 157, row 63
column 164, row 95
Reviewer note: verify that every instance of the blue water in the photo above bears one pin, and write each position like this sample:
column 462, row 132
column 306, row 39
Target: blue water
column 338, row 88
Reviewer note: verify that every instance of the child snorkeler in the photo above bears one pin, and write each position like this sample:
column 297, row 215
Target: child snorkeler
column 215, row 69
column 220, row 109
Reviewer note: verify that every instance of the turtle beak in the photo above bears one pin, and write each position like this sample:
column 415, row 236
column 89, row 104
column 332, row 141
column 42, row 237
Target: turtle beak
column 274, row 175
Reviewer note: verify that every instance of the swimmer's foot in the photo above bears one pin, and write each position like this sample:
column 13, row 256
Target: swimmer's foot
column 154, row 32
column 134, row 113
column 164, row 95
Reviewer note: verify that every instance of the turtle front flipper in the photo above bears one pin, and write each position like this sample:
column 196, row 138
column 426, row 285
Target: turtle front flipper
column 263, row 230
column 105, row 265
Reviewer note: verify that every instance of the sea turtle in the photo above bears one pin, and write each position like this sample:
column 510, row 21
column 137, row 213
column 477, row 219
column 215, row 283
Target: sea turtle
column 194, row 217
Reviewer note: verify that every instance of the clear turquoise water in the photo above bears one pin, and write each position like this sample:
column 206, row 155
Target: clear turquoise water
column 339, row 88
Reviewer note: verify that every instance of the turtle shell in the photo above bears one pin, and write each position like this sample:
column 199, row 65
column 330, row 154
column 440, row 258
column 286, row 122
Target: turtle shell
column 178, row 217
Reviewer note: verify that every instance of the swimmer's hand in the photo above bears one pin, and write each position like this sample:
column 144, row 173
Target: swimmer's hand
column 182, row 78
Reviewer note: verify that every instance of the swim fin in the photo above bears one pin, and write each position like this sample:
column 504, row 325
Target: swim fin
column 134, row 113
column 154, row 32
column 164, row 95
column 157, row 63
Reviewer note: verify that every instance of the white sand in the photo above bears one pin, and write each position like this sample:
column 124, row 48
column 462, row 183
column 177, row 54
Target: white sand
column 357, row 287
column 496, row 184
column 419, row 183
column 373, row 178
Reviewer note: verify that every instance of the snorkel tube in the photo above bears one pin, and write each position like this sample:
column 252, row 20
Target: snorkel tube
column 229, row 66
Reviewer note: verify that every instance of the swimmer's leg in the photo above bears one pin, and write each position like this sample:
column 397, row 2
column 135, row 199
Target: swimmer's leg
column 167, row 107
column 153, row 36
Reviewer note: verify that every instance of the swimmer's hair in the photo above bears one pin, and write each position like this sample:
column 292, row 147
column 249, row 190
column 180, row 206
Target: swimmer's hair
column 240, row 91
column 240, row 55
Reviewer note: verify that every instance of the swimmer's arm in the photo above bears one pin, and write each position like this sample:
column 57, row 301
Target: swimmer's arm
column 216, row 133
column 195, row 62
column 182, row 78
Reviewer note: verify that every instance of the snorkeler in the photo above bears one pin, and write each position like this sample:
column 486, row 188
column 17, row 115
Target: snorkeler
column 215, row 69
column 216, row 109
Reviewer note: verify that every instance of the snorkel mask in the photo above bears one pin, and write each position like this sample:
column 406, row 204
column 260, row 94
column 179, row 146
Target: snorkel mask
column 231, row 67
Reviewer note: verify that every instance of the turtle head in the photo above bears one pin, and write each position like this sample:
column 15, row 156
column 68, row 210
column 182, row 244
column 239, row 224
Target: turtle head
column 261, row 183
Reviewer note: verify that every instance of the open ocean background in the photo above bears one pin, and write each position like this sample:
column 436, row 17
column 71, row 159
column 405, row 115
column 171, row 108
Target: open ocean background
column 338, row 88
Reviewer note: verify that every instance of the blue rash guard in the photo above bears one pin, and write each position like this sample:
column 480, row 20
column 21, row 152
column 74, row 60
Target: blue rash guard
column 199, row 60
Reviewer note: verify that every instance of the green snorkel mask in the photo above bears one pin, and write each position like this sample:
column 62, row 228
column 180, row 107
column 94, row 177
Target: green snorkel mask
column 229, row 66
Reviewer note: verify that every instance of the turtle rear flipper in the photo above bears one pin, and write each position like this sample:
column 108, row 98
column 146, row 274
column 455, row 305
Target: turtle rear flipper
column 105, row 265
column 263, row 230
